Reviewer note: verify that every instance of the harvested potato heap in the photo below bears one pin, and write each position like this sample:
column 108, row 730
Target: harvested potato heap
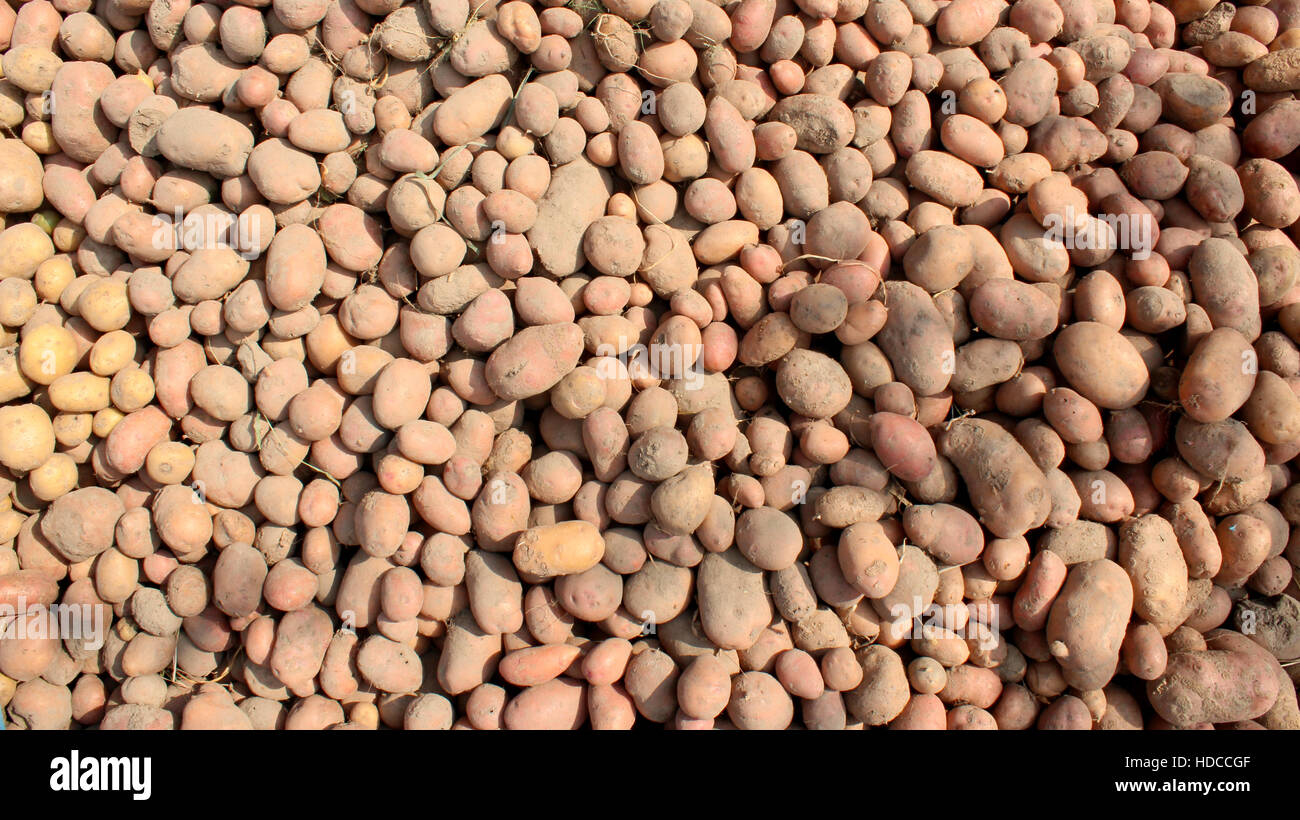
column 827, row 363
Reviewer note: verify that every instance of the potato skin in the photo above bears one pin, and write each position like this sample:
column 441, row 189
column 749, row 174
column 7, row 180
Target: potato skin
column 867, row 558
column 1224, row 285
column 1101, row 364
column 1149, row 553
column 1219, row 376
column 950, row 534
column 533, row 360
column 563, row 548
column 554, row 705
column 813, row 384
column 1144, row 652
column 916, row 339
column 1086, row 625
column 768, row 538
column 733, row 602
column 1009, row 309
column 903, row 445
column 1272, row 412
column 884, row 690
column 1213, row 686
column 758, row 701
column 1006, row 487
column 1043, row 580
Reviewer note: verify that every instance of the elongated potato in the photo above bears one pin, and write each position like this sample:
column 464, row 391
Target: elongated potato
column 1007, row 488
column 1149, row 553
column 916, row 339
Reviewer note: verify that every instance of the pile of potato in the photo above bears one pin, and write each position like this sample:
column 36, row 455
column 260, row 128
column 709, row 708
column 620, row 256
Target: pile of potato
column 761, row 364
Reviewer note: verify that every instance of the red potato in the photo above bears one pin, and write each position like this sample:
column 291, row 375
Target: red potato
column 902, row 445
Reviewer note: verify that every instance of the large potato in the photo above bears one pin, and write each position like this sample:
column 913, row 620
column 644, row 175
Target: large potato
column 1101, row 364
column 1006, row 487
column 1087, row 623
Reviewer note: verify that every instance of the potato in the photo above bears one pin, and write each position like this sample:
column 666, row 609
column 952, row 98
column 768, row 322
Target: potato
column 469, row 657
column 916, row 340
column 768, row 538
column 574, row 200
column 902, row 445
column 81, row 128
column 884, row 690
column 508, row 368
column 1085, row 351
column 1222, row 450
column 28, row 439
column 20, row 185
column 1149, row 553
column 1007, row 489
column 558, row 549
column 1219, row 376
column 205, row 141
column 80, row 525
column 1043, row 580
column 1270, row 412
column 388, row 665
column 1225, row 287
column 1244, row 545
column 733, row 602
column 950, row 534
column 704, row 688
column 1013, row 310
column 1213, row 686
column 25, row 247
column 1087, row 622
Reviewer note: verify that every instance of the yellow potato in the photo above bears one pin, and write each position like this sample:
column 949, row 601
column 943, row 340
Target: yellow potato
column 11, row 521
column 79, row 393
column 169, row 462
column 104, row 305
column 23, row 248
column 56, row 477
column 26, row 437
column 67, row 236
column 17, row 302
column 131, row 389
column 13, row 383
column 105, row 420
column 114, row 351
column 54, row 274
column 39, row 136
column 71, row 429
column 47, row 352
